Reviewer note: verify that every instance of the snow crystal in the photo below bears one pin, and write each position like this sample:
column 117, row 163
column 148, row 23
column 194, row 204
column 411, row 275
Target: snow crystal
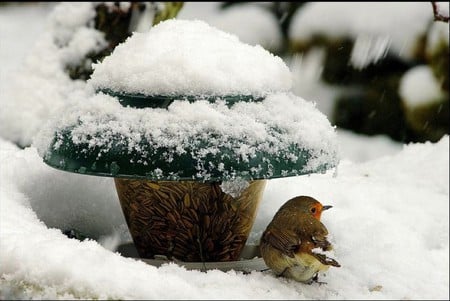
column 234, row 187
column 419, row 86
column 190, row 58
column 271, row 127
column 403, row 23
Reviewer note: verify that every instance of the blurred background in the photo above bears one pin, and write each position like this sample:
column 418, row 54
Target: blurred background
column 373, row 68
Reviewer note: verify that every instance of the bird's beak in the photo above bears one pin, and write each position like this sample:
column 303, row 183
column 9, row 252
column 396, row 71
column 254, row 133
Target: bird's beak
column 326, row 207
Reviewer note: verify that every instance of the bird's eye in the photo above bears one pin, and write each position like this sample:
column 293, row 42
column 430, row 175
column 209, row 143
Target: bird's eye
column 313, row 210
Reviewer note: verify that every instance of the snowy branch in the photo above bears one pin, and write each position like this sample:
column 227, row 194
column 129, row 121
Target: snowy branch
column 439, row 15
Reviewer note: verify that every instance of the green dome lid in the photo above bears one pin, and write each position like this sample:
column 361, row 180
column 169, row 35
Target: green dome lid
column 210, row 139
column 186, row 101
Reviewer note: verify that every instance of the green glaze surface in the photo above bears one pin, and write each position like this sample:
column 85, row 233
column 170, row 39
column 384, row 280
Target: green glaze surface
column 119, row 162
column 154, row 163
column 163, row 101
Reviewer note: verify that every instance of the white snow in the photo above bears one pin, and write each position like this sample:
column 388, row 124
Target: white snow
column 438, row 36
column 13, row 50
column 271, row 126
column 389, row 226
column 395, row 27
column 41, row 86
column 368, row 49
column 68, row 18
column 191, row 58
column 443, row 8
column 389, row 223
column 252, row 23
column 234, row 187
column 419, row 86
column 359, row 148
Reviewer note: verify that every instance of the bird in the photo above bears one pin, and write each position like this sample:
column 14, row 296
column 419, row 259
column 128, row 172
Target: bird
column 294, row 244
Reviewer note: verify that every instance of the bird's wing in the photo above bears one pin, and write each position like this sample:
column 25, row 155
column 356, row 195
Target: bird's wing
column 315, row 232
column 286, row 241
column 324, row 259
column 320, row 242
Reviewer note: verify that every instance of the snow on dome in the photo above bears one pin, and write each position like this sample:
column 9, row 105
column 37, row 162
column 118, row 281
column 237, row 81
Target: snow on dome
column 249, row 139
column 419, row 86
column 191, row 58
column 396, row 26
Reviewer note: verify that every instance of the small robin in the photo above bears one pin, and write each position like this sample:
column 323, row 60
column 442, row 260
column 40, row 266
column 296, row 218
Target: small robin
column 294, row 242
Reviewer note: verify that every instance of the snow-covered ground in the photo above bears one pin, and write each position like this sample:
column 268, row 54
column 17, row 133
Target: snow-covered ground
column 389, row 223
column 389, row 226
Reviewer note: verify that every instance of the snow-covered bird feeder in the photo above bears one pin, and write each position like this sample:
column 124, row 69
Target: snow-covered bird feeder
column 191, row 123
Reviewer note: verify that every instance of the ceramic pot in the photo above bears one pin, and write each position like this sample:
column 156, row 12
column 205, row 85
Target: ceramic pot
column 190, row 221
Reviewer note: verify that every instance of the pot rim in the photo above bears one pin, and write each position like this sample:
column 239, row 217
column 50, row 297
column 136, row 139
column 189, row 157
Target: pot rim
column 251, row 260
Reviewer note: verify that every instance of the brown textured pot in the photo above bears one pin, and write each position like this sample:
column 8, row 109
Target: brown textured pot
column 188, row 220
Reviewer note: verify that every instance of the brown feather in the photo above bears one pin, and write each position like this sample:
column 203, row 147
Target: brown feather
column 286, row 241
column 325, row 260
